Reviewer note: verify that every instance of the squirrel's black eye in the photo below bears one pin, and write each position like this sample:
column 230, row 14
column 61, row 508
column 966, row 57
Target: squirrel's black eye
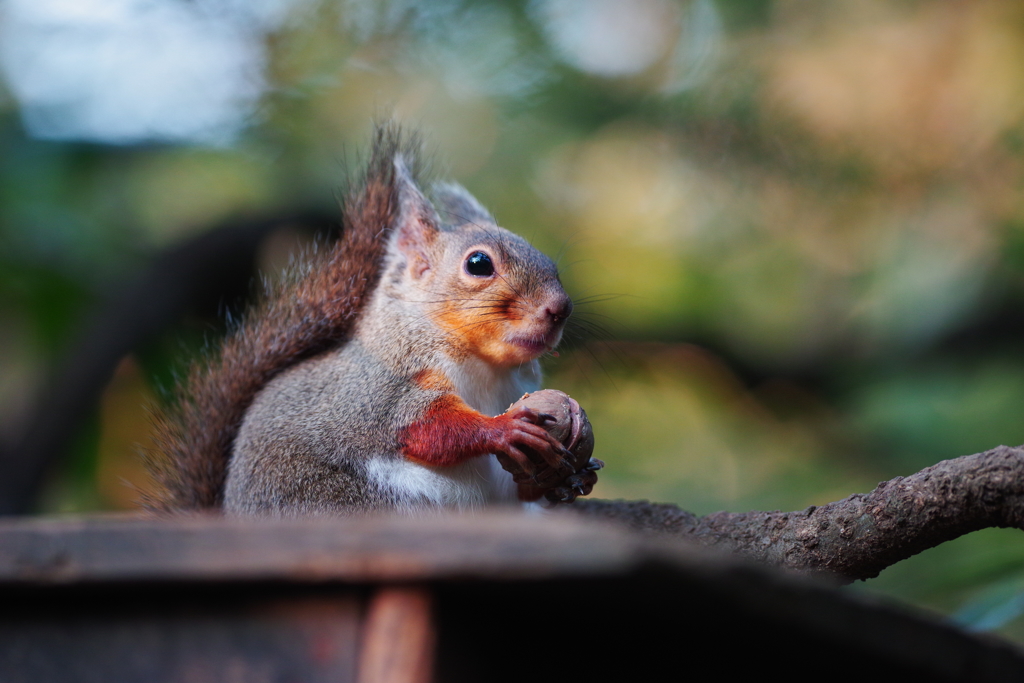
column 478, row 263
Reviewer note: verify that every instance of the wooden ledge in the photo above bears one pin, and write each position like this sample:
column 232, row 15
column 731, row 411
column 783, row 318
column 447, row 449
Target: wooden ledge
column 369, row 549
column 146, row 599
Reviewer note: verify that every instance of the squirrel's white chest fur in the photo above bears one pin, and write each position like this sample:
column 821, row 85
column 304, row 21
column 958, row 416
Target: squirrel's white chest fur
column 479, row 481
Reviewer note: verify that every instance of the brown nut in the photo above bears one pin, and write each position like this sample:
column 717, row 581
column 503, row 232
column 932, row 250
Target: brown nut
column 570, row 424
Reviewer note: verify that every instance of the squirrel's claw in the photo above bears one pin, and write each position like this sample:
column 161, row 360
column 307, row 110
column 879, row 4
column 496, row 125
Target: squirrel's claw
column 560, row 495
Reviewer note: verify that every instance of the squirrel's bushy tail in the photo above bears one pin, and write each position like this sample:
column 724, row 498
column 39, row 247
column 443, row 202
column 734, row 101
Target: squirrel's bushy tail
column 313, row 309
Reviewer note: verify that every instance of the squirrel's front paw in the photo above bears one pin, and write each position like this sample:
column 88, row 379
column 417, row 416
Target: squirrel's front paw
column 560, row 475
column 579, row 484
column 528, row 451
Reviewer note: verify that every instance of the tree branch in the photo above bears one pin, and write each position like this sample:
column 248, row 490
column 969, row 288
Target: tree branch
column 859, row 536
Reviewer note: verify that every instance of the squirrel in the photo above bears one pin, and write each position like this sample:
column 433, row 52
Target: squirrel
column 375, row 377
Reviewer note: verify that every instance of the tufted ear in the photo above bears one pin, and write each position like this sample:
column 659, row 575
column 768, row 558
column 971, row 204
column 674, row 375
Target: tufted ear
column 457, row 206
column 416, row 224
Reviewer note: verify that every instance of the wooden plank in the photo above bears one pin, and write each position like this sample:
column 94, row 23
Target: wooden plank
column 365, row 549
column 399, row 637
column 176, row 638
column 509, row 589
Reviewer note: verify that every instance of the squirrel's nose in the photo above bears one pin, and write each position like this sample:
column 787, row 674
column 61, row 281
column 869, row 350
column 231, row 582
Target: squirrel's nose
column 559, row 309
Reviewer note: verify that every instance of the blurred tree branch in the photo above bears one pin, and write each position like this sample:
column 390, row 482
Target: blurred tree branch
column 859, row 536
column 200, row 274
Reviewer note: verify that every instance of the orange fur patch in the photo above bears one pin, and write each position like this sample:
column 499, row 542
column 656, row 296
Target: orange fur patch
column 432, row 380
column 480, row 331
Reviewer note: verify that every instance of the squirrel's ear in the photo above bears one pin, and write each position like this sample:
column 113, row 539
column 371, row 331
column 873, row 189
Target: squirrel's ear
column 458, row 207
column 417, row 224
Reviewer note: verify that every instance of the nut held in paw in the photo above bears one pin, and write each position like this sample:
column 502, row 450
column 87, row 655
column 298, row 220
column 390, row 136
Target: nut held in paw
column 571, row 426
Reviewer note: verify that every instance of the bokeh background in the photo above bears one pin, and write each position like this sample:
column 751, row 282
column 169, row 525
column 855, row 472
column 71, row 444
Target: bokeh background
column 795, row 230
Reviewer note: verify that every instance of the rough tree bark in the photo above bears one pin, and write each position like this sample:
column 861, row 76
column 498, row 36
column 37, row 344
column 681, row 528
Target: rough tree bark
column 859, row 536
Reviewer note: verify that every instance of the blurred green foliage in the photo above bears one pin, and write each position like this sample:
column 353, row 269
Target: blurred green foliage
column 796, row 231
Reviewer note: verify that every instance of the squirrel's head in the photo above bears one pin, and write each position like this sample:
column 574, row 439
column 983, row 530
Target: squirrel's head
column 490, row 292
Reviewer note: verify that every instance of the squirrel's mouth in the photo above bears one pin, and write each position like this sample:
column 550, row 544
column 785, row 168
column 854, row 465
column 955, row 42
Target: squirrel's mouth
column 534, row 346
